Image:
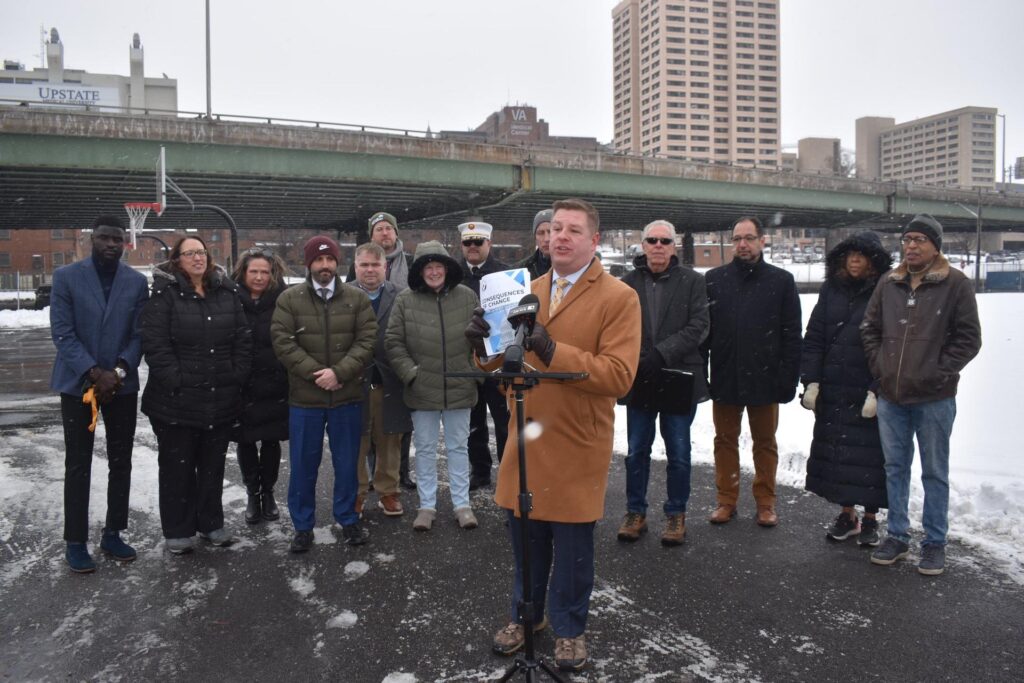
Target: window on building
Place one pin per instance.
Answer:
(5, 259)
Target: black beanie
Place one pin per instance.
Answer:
(927, 226)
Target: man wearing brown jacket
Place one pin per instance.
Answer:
(919, 331)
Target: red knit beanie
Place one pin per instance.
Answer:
(321, 244)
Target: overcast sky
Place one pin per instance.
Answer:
(450, 63)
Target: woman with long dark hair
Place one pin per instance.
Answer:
(264, 420)
(198, 347)
(846, 465)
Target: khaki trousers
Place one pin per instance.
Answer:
(388, 448)
(763, 421)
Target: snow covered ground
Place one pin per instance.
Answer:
(986, 464)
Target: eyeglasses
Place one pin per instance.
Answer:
(475, 242)
(918, 239)
(194, 253)
(659, 240)
(745, 238)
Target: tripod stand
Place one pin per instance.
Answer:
(520, 382)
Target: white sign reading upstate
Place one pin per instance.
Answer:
(61, 93)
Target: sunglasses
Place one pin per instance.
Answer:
(659, 240)
(257, 251)
(475, 242)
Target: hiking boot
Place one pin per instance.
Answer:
(112, 545)
(268, 506)
(466, 518)
(302, 542)
(766, 516)
(933, 559)
(891, 550)
(218, 537)
(722, 514)
(178, 546)
(253, 513)
(634, 525)
(79, 559)
(390, 504)
(509, 639)
(424, 519)
(843, 527)
(868, 533)
(571, 653)
(354, 534)
(675, 530)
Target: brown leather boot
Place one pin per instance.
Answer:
(766, 515)
(633, 526)
(675, 530)
(722, 514)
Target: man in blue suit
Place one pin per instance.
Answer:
(94, 311)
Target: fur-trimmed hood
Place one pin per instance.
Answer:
(433, 251)
(867, 243)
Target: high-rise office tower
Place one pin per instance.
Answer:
(698, 80)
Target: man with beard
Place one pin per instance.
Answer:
(755, 365)
(324, 335)
(94, 314)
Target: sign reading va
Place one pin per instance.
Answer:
(61, 93)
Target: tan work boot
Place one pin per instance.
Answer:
(766, 515)
(675, 530)
(722, 514)
(571, 653)
(390, 504)
(633, 526)
(509, 639)
(424, 519)
(465, 518)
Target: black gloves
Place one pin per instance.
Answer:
(106, 382)
(476, 330)
(541, 343)
(650, 365)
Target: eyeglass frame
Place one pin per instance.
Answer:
(736, 239)
(192, 253)
(473, 242)
(907, 240)
(665, 241)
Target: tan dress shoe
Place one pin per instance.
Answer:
(722, 514)
(766, 515)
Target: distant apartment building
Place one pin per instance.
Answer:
(698, 80)
(56, 85)
(518, 125)
(952, 149)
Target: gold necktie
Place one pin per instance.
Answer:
(556, 299)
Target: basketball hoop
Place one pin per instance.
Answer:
(137, 212)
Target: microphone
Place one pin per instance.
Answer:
(521, 318)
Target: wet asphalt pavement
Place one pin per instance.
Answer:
(736, 602)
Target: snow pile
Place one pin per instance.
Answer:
(24, 318)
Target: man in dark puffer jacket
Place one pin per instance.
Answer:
(323, 334)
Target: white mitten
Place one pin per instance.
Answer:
(810, 396)
(870, 408)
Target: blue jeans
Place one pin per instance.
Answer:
(932, 422)
(565, 552)
(306, 446)
(675, 431)
(425, 427)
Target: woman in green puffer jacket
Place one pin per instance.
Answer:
(426, 339)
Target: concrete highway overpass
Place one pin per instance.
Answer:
(62, 168)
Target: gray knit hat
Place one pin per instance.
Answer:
(927, 226)
(544, 216)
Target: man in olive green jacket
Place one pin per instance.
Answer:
(323, 334)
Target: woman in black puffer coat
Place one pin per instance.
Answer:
(198, 347)
(846, 464)
(264, 421)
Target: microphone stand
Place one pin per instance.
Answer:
(520, 382)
